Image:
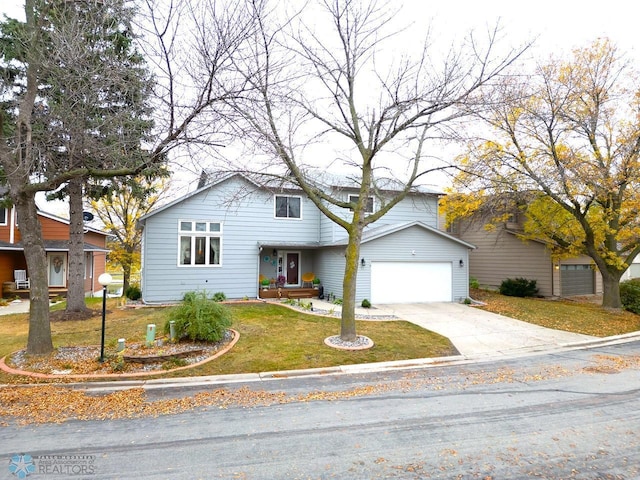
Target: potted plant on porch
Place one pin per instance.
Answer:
(265, 283)
(316, 282)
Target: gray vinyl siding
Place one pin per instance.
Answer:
(415, 244)
(500, 255)
(396, 247)
(421, 208)
(330, 264)
(247, 220)
(250, 232)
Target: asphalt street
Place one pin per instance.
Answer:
(573, 413)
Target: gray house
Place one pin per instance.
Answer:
(226, 236)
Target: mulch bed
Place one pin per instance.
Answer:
(136, 358)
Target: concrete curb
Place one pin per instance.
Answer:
(418, 363)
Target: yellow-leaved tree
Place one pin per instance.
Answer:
(566, 140)
(119, 212)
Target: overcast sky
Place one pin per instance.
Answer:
(558, 25)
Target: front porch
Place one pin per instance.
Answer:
(289, 292)
(9, 290)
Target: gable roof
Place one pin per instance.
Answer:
(384, 230)
(384, 184)
(189, 195)
(324, 179)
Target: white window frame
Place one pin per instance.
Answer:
(199, 231)
(5, 222)
(353, 198)
(275, 207)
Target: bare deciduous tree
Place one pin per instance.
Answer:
(338, 85)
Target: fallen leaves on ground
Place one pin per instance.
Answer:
(613, 363)
(56, 404)
(579, 314)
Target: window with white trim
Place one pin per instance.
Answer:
(200, 242)
(288, 206)
(368, 207)
(3, 216)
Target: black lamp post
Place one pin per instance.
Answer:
(104, 280)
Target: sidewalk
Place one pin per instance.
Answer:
(15, 306)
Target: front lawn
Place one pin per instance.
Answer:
(578, 316)
(272, 337)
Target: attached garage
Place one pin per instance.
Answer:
(411, 282)
(577, 279)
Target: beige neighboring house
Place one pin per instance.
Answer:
(501, 254)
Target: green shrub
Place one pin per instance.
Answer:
(473, 283)
(519, 287)
(366, 303)
(219, 297)
(630, 295)
(133, 292)
(199, 318)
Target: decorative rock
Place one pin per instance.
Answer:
(361, 343)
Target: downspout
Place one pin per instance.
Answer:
(12, 237)
(257, 277)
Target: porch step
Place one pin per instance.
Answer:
(299, 294)
(289, 293)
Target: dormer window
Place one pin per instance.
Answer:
(368, 207)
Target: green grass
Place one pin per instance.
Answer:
(272, 337)
(572, 316)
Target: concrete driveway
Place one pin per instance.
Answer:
(475, 332)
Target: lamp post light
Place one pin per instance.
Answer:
(104, 280)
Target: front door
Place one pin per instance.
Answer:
(57, 269)
(293, 268)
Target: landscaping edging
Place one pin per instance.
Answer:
(85, 376)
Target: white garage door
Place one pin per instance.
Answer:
(394, 282)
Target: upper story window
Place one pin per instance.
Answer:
(200, 242)
(369, 206)
(288, 206)
(453, 227)
(4, 215)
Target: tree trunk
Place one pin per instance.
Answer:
(75, 291)
(611, 288)
(352, 259)
(126, 273)
(39, 339)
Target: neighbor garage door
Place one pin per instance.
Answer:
(394, 282)
(577, 280)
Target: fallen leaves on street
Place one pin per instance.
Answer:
(56, 404)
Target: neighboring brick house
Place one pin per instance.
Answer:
(55, 231)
